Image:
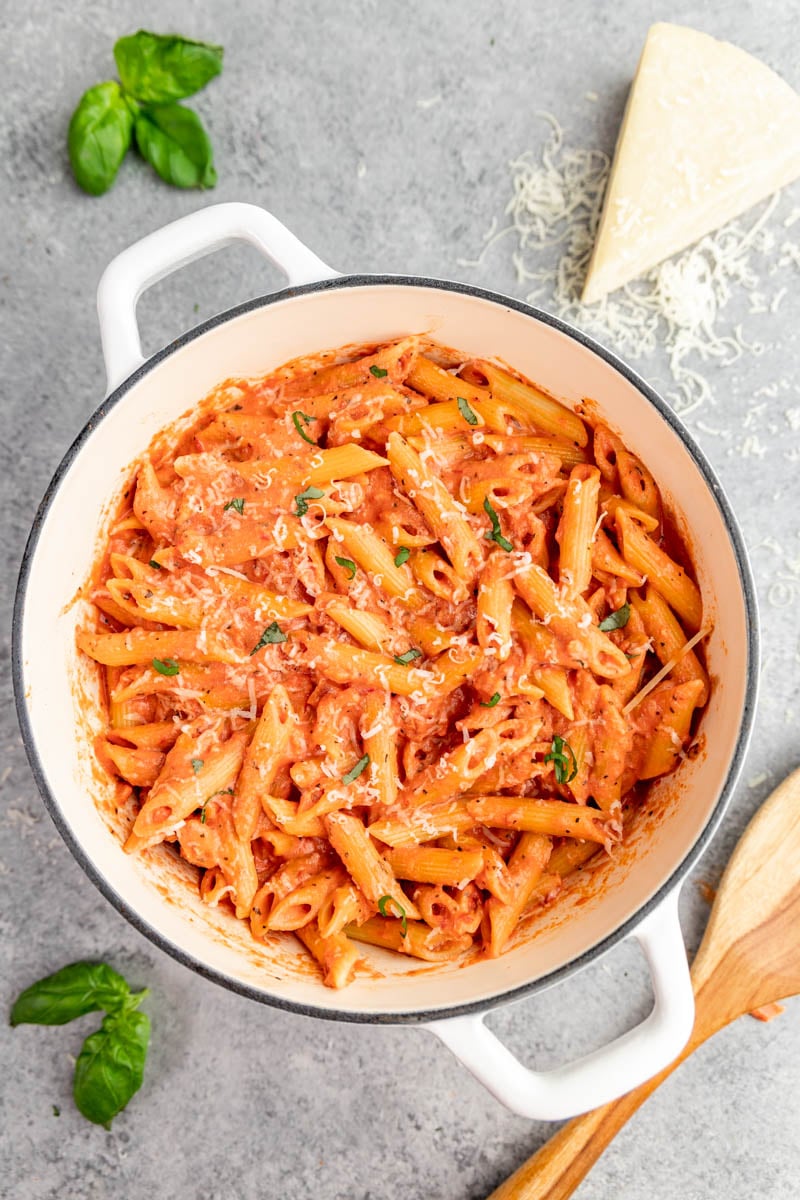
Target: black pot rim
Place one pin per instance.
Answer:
(623, 931)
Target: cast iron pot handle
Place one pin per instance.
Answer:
(608, 1072)
(160, 253)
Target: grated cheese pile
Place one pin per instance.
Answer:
(554, 212)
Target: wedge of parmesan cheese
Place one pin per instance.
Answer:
(708, 131)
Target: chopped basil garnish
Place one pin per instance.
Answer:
(203, 814)
(238, 504)
(403, 555)
(166, 666)
(354, 773)
(382, 903)
(378, 372)
(156, 566)
(409, 656)
(565, 771)
(469, 416)
(495, 535)
(348, 565)
(311, 493)
(273, 635)
(616, 620)
(491, 703)
(297, 417)
(197, 765)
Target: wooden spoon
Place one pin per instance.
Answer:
(749, 957)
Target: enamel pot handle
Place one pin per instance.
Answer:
(608, 1072)
(160, 253)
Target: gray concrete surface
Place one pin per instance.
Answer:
(318, 117)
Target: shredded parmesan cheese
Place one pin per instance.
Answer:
(553, 215)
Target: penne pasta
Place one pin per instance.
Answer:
(677, 588)
(543, 411)
(576, 529)
(265, 754)
(432, 864)
(525, 869)
(552, 817)
(389, 644)
(668, 639)
(427, 492)
(360, 857)
(372, 554)
(417, 939)
(335, 954)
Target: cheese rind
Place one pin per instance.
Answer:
(708, 131)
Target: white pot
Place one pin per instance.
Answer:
(635, 895)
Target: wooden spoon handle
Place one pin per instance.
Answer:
(556, 1169)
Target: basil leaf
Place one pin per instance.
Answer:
(347, 565)
(469, 416)
(490, 703)
(273, 635)
(172, 139)
(495, 535)
(403, 555)
(297, 416)
(157, 68)
(197, 765)
(110, 1067)
(99, 137)
(355, 771)
(382, 905)
(166, 666)
(616, 620)
(404, 659)
(302, 498)
(378, 372)
(564, 769)
(80, 988)
(238, 504)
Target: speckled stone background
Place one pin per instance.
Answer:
(380, 132)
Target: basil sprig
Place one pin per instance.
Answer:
(155, 70)
(110, 1066)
